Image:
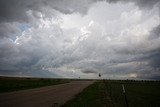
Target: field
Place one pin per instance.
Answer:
(49, 96)
(8, 84)
(109, 93)
(102, 93)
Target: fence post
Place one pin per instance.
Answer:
(124, 92)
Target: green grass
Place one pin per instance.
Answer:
(92, 96)
(139, 94)
(8, 84)
(109, 93)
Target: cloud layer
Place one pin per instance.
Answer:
(68, 38)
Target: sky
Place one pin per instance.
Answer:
(80, 38)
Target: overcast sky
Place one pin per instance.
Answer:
(80, 38)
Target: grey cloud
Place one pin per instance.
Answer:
(155, 33)
(12, 10)
(154, 59)
(29, 73)
(15, 10)
(140, 3)
(146, 74)
(9, 30)
(40, 49)
(153, 56)
(154, 77)
(147, 3)
(89, 71)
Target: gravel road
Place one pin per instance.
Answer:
(49, 96)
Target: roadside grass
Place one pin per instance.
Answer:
(139, 93)
(109, 93)
(92, 96)
(8, 84)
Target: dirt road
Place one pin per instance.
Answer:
(43, 97)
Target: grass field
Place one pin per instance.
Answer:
(109, 93)
(8, 84)
(103, 93)
(92, 96)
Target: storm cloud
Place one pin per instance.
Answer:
(68, 38)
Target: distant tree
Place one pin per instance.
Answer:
(99, 75)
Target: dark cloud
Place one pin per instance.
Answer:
(155, 33)
(140, 3)
(15, 10)
(34, 45)
(29, 73)
(89, 71)
(154, 59)
(145, 74)
(147, 3)
(153, 56)
(154, 77)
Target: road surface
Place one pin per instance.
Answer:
(49, 96)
